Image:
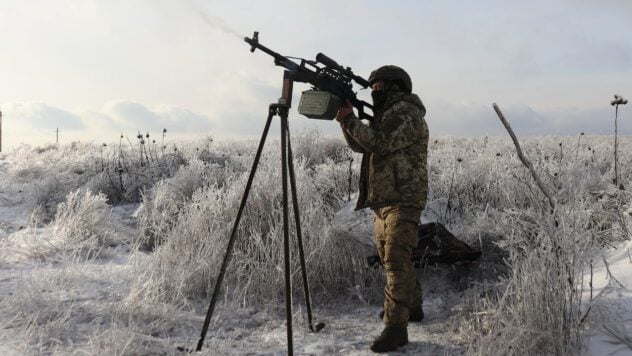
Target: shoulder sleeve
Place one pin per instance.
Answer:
(402, 126)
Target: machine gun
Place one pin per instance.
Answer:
(331, 83)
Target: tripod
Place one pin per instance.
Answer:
(280, 109)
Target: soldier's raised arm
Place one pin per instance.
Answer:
(403, 126)
(345, 110)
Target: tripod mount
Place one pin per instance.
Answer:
(280, 109)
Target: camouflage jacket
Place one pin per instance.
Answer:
(395, 151)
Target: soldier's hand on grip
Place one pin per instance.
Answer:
(345, 110)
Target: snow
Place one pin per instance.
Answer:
(350, 326)
(88, 300)
(87, 289)
(615, 303)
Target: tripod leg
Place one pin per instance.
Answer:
(233, 234)
(299, 235)
(286, 237)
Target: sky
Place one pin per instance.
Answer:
(97, 68)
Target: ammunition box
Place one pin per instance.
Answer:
(318, 104)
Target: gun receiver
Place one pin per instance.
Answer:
(324, 75)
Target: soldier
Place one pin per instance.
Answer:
(394, 184)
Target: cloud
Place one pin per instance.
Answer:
(34, 123)
(129, 115)
(40, 116)
(617, 6)
(469, 119)
(593, 121)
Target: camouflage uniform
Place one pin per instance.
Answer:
(394, 183)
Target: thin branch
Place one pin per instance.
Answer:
(610, 275)
(524, 159)
(622, 338)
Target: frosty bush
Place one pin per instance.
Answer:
(537, 307)
(158, 215)
(109, 183)
(163, 204)
(48, 192)
(46, 175)
(485, 194)
(42, 312)
(84, 224)
(309, 148)
(199, 233)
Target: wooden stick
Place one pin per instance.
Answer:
(524, 159)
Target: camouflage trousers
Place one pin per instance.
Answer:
(396, 231)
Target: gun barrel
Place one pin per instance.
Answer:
(255, 44)
(278, 58)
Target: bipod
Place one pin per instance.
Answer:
(281, 109)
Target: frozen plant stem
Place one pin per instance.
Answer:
(616, 146)
(102, 162)
(618, 100)
(448, 205)
(162, 147)
(559, 169)
(579, 140)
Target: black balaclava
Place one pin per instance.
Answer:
(379, 96)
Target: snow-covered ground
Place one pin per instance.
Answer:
(350, 327)
(60, 294)
(79, 295)
(612, 282)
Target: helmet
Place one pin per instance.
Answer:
(392, 73)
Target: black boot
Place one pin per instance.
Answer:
(390, 339)
(414, 314)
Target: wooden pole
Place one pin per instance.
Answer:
(0, 130)
(57, 136)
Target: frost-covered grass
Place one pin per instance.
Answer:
(537, 307)
(83, 223)
(525, 296)
(45, 175)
